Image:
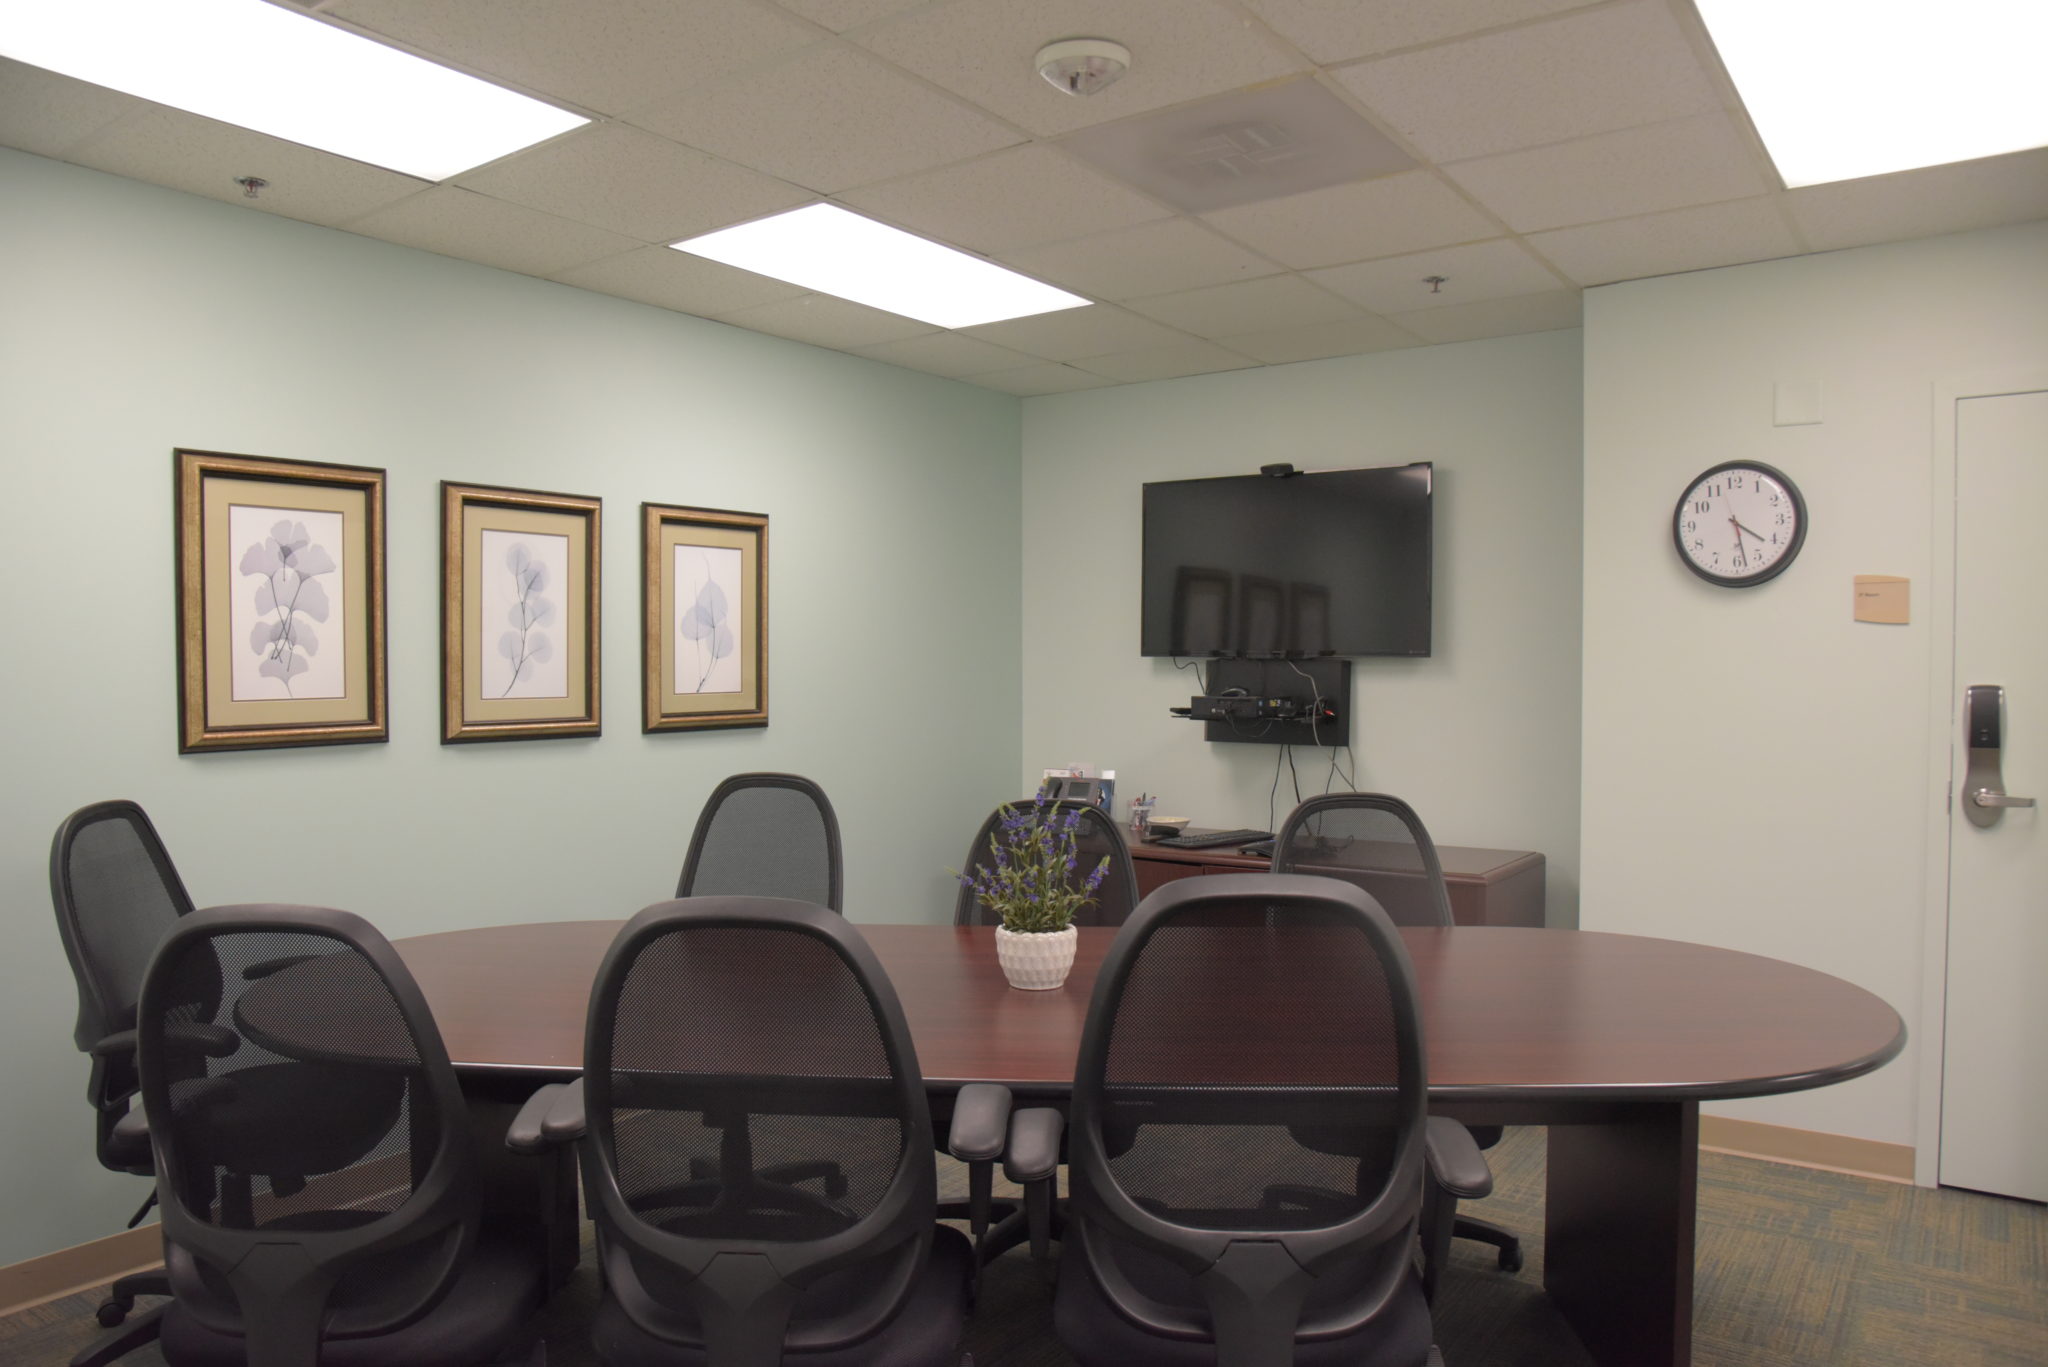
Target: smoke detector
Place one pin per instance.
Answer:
(1082, 66)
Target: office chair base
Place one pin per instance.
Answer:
(124, 1340)
(121, 1295)
(1487, 1232)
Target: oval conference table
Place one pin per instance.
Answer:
(1611, 1041)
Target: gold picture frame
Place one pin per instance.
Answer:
(520, 635)
(281, 625)
(704, 636)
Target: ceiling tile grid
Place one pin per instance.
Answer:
(1585, 73)
(625, 180)
(1518, 149)
(1020, 197)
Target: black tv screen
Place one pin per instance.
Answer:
(1335, 563)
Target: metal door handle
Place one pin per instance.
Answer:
(1984, 732)
(1986, 797)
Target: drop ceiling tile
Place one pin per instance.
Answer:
(1278, 301)
(982, 50)
(841, 15)
(1615, 175)
(1019, 197)
(679, 281)
(1152, 258)
(1075, 334)
(1935, 199)
(167, 146)
(828, 118)
(460, 223)
(48, 114)
(822, 320)
(611, 56)
(1332, 31)
(1383, 217)
(1494, 317)
(949, 354)
(1568, 78)
(1166, 363)
(1040, 379)
(1479, 270)
(1667, 243)
(619, 178)
(1352, 337)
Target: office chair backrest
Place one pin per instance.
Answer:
(313, 1152)
(116, 894)
(757, 1129)
(1248, 1108)
(1095, 837)
(766, 835)
(1375, 841)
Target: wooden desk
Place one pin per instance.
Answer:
(1487, 887)
(1610, 1040)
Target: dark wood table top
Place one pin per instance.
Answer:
(1511, 1014)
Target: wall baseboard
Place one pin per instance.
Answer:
(68, 1270)
(1807, 1148)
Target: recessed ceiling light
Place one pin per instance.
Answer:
(826, 248)
(1839, 89)
(257, 66)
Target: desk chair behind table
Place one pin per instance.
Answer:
(766, 835)
(1380, 844)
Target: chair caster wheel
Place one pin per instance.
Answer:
(1511, 1259)
(112, 1313)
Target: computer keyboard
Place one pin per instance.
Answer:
(1210, 839)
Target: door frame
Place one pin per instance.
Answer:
(1940, 616)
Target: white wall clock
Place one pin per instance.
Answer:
(1740, 524)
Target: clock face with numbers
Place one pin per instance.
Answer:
(1739, 524)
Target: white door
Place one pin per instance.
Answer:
(1994, 1099)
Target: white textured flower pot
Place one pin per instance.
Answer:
(1036, 959)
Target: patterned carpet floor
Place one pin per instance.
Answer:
(1796, 1268)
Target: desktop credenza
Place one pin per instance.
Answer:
(1487, 887)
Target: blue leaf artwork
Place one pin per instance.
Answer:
(279, 620)
(707, 631)
(519, 576)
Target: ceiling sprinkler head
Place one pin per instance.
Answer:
(251, 185)
(1082, 66)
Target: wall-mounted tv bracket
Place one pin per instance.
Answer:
(1274, 702)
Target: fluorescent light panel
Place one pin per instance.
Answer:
(1839, 89)
(257, 66)
(826, 248)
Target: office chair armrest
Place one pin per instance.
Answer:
(132, 1129)
(981, 1123)
(551, 1116)
(1034, 1151)
(1455, 1162)
(120, 1044)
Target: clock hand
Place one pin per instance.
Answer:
(1740, 528)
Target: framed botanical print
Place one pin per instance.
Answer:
(704, 640)
(519, 614)
(280, 603)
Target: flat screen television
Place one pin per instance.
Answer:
(1324, 564)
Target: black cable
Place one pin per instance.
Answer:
(1274, 796)
(1315, 706)
(1294, 772)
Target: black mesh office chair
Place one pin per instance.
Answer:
(728, 1038)
(1380, 844)
(765, 835)
(116, 894)
(1236, 1016)
(1096, 837)
(306, 1221)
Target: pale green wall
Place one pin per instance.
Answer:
(1483, 736)
(137, 319)
(1757, 764)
